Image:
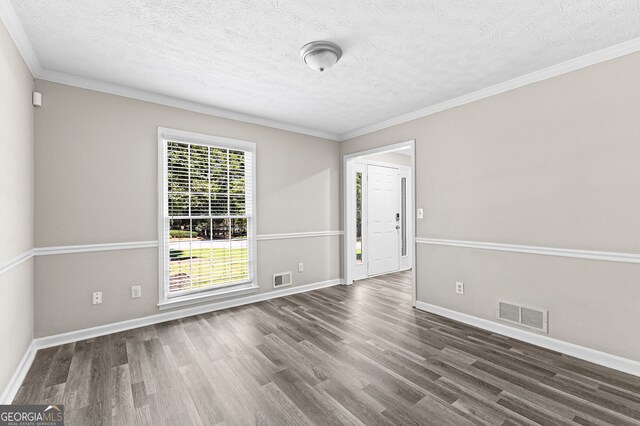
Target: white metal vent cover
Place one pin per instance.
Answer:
(525, 316)
(282, 279)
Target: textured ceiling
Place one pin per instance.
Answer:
(243, 55)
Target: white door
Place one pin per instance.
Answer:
(383, 201)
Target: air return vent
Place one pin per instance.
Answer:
(525, 316)
(281, 279)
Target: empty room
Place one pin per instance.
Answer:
(319, 212)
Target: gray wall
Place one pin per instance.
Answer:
(551, 164)
(16, 206)
(96, 182)
(554, 164)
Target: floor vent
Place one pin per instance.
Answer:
(281, 279)
(525, 316)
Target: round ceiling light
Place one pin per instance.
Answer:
(321, 55)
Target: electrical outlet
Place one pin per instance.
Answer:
(420, 213)
(97, 297)
(300, 267)
(136, 291)
(459, 287)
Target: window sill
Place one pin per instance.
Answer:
(209, 296)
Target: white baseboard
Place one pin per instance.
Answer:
(14, 384)
(597, 357)
(101, 330)
(16, 380)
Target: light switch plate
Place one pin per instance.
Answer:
(420, 213)
(136, 291)
(97, 297)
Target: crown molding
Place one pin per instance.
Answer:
(14, 27)
(17, 33)
(584, 61)
(143, 95)
(11, 21)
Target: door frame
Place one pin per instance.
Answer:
(348, 210)
(361, 165)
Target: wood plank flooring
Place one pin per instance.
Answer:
(342, 355)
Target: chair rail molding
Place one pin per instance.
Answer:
(86, 248)
(15, 261)
(546, 251)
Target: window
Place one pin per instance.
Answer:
(359, 260)
(207, 235)
(403, 210)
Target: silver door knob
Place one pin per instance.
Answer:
(397, 226)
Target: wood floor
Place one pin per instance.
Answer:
(342, 355)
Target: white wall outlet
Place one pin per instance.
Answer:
(459, 287)
(97, 297)
(300, 267)
(420, 213)
(136, 291)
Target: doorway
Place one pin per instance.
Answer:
(379, 212)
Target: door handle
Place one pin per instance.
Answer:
(397, 226)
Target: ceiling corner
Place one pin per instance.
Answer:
(17, 33)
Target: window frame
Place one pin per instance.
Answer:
(224, 291)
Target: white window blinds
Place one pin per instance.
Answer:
(208, 221)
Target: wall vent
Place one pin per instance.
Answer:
(525, 316)
(281, 279)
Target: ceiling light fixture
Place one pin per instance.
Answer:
(321, 55)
